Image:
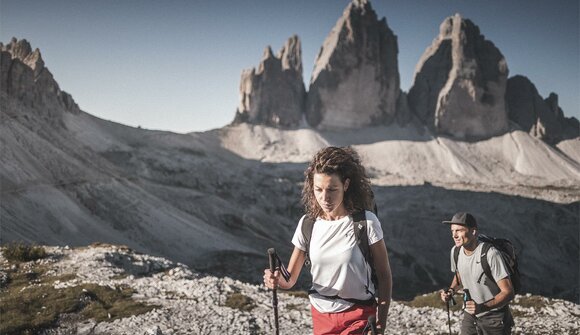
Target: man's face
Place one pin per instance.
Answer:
(462, 235)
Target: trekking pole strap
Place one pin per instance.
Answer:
(283, 271)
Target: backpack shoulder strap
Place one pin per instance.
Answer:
(307, 227)
(456, 255)
(484, 262)
(456, 258)
(359, 221)
(360, 231)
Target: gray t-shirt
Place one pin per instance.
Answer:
(471, 270)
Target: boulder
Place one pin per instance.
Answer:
(460, 83)
(355, 82)
(274, 94)
(542, 118)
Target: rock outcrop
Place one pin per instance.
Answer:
(542, 118)
(24, 77)
(355, 82)
(460, 82)
(274, 94)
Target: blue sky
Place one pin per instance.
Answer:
(175, 65)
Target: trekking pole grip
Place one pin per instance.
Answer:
(272, 259)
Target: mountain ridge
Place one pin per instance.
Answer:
(460, 89)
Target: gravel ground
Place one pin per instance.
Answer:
(190, 303)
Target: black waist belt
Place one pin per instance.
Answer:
(369, 302)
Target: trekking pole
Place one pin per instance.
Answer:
(372, 321)
(453, 303)
(272, 257)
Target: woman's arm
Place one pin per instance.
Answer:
(385, 282)
(294, 267)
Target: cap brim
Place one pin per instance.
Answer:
(451, 222)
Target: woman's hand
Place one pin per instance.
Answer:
(271, 278)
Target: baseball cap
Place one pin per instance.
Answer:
(464, 219)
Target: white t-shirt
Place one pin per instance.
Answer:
(338, 266)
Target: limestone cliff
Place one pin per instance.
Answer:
(460, 82)
(274, 94)
(542, 118)
(24, 77)
(355, 82)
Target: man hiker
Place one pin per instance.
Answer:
(486, 311)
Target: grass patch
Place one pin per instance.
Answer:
(30, 303)
(20, 252)
(240, 301)
(297, 294)
(535, 302)
(433, 300)
(294, 307)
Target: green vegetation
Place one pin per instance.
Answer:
(433, 300)
(295, 307)
(240, 301)
(30, 303)
(298, 294)
(20, 252)
(536, 303)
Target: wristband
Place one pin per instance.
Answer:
(480, 308)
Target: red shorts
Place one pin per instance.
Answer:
(349, 322)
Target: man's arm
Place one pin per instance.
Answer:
(505, 295)
(453, 288)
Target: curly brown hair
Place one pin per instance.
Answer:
(344, 162)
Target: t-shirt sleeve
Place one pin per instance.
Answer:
(498, 268)
(374, 229)
(452, 259)
(298, 240)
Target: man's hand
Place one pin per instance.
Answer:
(446, 295)
(472, 308)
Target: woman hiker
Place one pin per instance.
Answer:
(336, 193)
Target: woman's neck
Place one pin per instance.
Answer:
(336, 214)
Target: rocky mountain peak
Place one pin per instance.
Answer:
(542, 118)
(274, 94)
(460, 82)
(355, 82)
(24, 76)
(21, 50)
(291, 55)
(18, 48)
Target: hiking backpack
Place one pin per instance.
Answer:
(360, 232)
(508, 254)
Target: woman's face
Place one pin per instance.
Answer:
(329, 192)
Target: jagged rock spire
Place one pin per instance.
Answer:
(542, 118)
(23, 75)
(460, 82)
(274, 94)
(355, 81)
